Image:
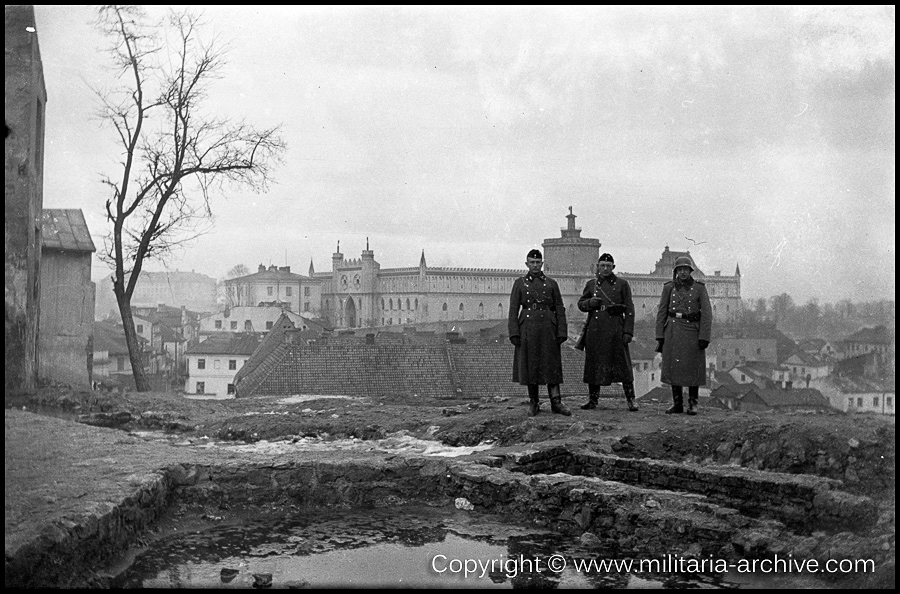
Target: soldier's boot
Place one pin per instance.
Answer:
(556, 404)
(678, 401)
(593, 397)
(535, 398)
(629, 397)
(693, 396)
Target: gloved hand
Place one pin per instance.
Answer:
(626, 338)
(595, 302)
(702, 344)
(515, 340)
(659, 344)
(561, 339)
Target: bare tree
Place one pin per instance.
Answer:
(174, 156)
(226, 295)
(237, 271)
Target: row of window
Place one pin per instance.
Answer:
(288, 291)
(737, 352)
(248, 325)
(888, 402)
(390, 304)
(232, 364)
(200, 388)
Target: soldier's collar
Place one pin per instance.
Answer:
(538, 275)
(610, 279)
(687, 283)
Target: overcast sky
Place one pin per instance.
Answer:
(758, 136)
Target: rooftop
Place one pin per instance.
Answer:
(227, 343)
(65, 229)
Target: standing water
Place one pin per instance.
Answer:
(398, 547)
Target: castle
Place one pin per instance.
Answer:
(359, 293)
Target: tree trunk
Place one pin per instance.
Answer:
(141, 383)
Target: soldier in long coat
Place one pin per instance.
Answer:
(537, 327)
(608, 330)
(683, 329)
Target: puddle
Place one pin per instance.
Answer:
(411, 547)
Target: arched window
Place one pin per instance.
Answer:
(407, 303)
(444, 308)
(382, 306)
(391, 303)
(417, 303)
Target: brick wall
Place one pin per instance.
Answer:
(446, 370)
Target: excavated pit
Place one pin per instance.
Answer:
(588, 505)
(95, 506)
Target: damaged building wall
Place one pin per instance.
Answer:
(25, 102)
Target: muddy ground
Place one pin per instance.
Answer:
(856, 449)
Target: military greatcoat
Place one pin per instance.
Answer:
(683, 319)
(538, 317)
(606, 356)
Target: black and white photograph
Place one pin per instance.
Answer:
(447, 296)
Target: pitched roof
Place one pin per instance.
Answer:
(227, 343)
(860, 384)
(65, 229)
(808, 359)
(876, 335)
(762, 368)
(660, 393)
(812, 344)
(267, 354)
(111, 338)
(167, 334)
(641, 351)
(732, 390)
(267, 275)
(799, 397)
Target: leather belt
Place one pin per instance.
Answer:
(544, 306)
(690, 317)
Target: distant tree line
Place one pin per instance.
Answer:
(813, 319)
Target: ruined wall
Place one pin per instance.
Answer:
(25, 99)
(434, 371)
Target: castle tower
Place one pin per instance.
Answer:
(336, 258)
(571, 253)
(368, 285)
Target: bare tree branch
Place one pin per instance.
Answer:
(174, 156)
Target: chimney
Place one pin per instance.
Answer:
(262, 268)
